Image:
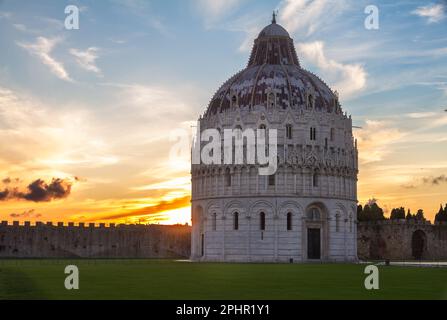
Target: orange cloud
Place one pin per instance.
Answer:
(150, 210)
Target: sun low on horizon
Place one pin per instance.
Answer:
(96, 123)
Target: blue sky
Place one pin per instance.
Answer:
(100, 102)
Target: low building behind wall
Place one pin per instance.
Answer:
(402, 240)
(90, 241)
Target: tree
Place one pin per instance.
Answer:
(370, 212)
(409, 215)
(363, 213)
(420, 215)
(398, 213)
(359, 210)
(441, 216)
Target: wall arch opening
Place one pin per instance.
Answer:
(418, 244)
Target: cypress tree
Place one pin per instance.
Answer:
(441, 215)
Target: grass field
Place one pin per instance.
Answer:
(168, 279)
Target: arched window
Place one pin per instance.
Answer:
(332, 134)
(337, 222)
(228, 177)
(350, 223)
(236, 221)
(289, 220)
(272, 180)
(315, 179)
(214, 221)
(271, 99)
(202, 245)
(262, 220)
(313, 134)
(313, 214)
(289, 131)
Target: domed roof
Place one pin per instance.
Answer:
(274, 30)
(273, 78)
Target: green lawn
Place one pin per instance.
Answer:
(167, 279)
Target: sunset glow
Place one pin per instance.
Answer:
(90, 119)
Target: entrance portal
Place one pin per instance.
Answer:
(313, 243)
(418, 242)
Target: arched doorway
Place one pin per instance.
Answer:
(315, 233)
(314, 243)
(418, 244)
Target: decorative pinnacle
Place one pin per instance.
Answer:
(274, 17)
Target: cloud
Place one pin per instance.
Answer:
(408, 186)
(421, 115)
(346, 78)
(433, 12)
(70, 140)
(375, 139)
(87, 59)
(42, 48)
(249, 24)
(157, 102)
(435, 180)
(5, 15)
(4, 194)
(142, 9)
(7, 180)
(215, 9)
(176, 183)
(308, 15)
(20, 27)
(53, 24)
(40, 191)
(26, 214)
(150, 210)
(47, 137)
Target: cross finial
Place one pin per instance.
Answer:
(274, 17)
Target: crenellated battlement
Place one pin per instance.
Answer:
(90, 240)
(71, 224)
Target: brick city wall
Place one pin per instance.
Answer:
(399, 239)
(93, 241)
(390, 239)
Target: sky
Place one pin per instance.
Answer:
(90, 117)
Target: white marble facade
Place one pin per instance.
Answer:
(306, 211)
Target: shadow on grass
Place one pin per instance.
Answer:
(16, 285)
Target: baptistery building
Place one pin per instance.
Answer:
(306, 210)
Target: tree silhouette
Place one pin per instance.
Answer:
(398, 213)
(370, 212)
(441, 216)
(420, 215)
